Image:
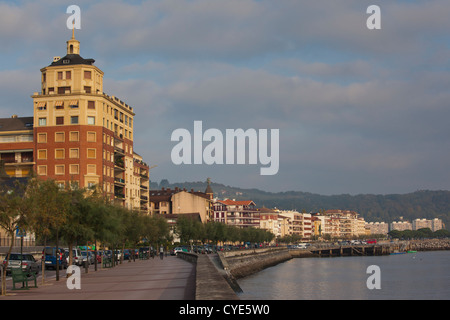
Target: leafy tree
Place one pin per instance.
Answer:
(14, 213)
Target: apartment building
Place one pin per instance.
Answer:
(434, 224)
(171, 203)
(242, 214)
(16, 145)
(377, 227)
(270, 220)
(77, 134)
(298, 223)
(401, 225)
(340, 224)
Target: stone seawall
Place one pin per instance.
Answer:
(211, 280)
(242, 263)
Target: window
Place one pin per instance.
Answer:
(74, 136)
(91, 105)
(59, 137)
(60, 75)
(42, 170)
(91, 120)
(59, 105)
(59, 154)
(87, 75)
(74, 169)
(59, 169)
(91, 169)
(74, 153)
(42, 121)
(73, 104)
(68, 75)
(42, 138)
(87, 89)
(42, 154)
(59, 121)
(74, 120)
(91, 137)
(91, 153)
(63, 90)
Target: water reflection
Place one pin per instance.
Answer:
(424, 275)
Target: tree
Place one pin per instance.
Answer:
(14, 213)
(50, 207)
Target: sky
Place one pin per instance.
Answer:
(358, 110)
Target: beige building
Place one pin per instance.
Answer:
(298, 223)
(434, 224)
(400, 225)
(241, 214)
(339, 224)
(169, 202)
(85, 136)
(377, 227)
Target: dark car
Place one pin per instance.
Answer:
(25, 260)
(51, 254)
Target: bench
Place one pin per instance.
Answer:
(107, 263)
(18, 276)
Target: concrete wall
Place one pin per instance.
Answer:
(242, 263)
(210, 282)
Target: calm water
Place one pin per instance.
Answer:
(422, 275)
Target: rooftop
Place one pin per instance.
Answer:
(16, 123)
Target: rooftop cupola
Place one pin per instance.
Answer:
(73, 45)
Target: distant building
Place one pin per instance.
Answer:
(434, 224)
(241, 214)
(340, 224)
(299, 223)
(377, 227)
(175, 202)
(400, 225)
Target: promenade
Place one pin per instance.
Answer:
(153, 279)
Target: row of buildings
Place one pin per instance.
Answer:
(383, 227)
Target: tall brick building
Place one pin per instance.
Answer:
(80, 134)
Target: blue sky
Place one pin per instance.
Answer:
(359, 111)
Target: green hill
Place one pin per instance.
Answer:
(420, 204)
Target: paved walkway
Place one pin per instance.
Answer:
(153, 279)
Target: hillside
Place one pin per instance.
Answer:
(420, 204)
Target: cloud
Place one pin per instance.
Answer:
(358, 110)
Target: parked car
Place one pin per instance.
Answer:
(50, 255)
(100, 254)
(108, 253)
(88, 256)
(25, 260)
(175, 250)
(76, 254)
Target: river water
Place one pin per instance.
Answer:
(421, 275)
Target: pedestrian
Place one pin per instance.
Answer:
(161, 252)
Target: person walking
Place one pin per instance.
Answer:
(161, 252)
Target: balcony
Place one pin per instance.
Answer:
(119, 181)
(118, 163)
